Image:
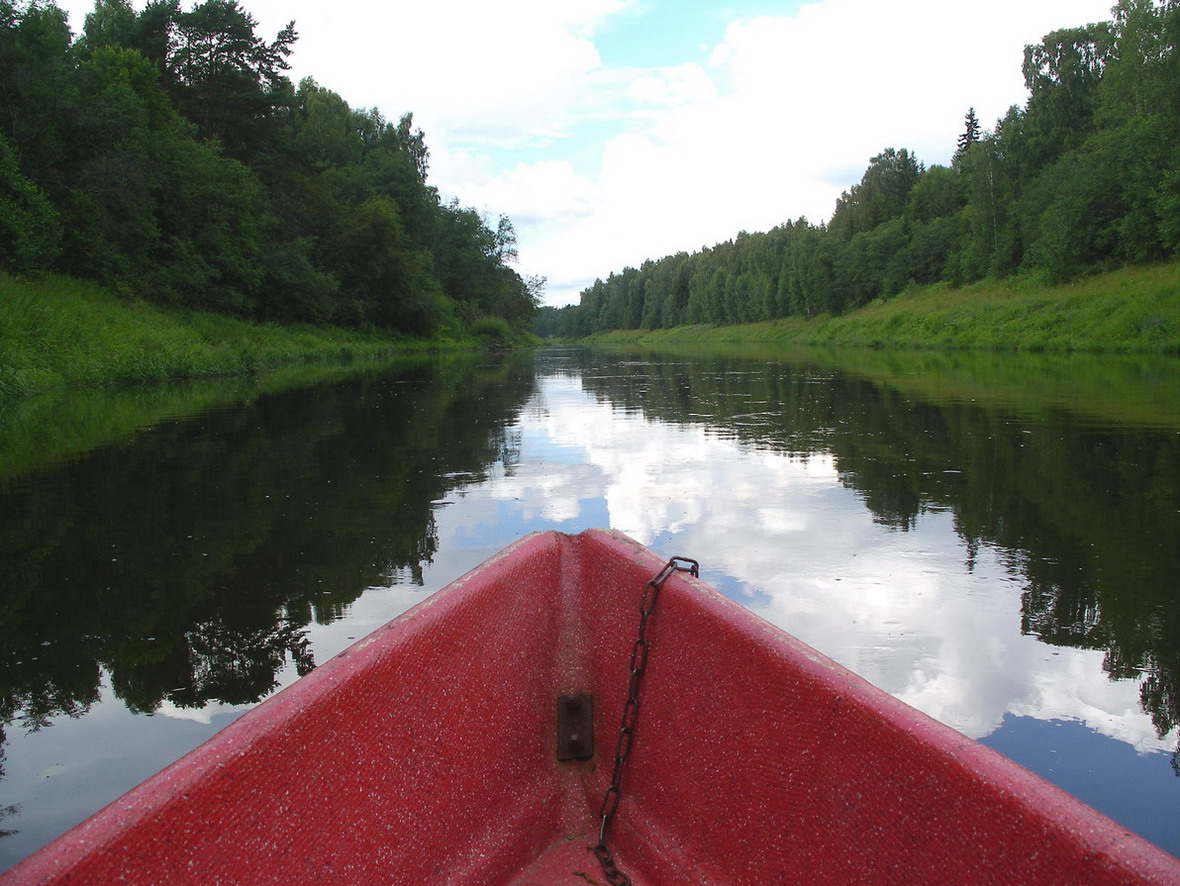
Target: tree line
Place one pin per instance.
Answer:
(1085, 177)
(166, 154)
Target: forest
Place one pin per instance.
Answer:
(165, 154)
(1085, 177)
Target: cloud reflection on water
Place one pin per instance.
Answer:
(782, 534)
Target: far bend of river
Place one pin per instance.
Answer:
(993, 539)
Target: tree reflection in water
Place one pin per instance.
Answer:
(1084, 506)
(186, 561)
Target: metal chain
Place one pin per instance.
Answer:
(639, 654)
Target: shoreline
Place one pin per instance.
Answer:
(1130, 311)
(60, 332)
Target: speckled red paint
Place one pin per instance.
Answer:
(425, 753)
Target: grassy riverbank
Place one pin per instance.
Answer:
(1133, 310)
(59, 332)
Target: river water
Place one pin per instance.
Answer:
(993, 539)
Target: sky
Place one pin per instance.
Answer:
(614, 131)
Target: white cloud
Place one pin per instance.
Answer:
(786, 116)
(668, 87)
(203, 715)
(485, 73)
(530, 194)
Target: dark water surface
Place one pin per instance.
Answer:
(993, 539)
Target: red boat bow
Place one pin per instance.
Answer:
(428, 753)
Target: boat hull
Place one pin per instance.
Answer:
(427, 752)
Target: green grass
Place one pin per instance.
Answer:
(1134, 310)
(60, 332)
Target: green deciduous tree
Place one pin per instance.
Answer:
(112, 23)
(385, 280)
(881, 195)
(30, 236)
(1062, 74)
(152, 207)
(37, 98)
(172, 158)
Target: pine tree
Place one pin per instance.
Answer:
(970, 134)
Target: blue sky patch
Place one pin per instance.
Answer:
(660, 33)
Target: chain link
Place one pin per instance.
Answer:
(627, 723)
